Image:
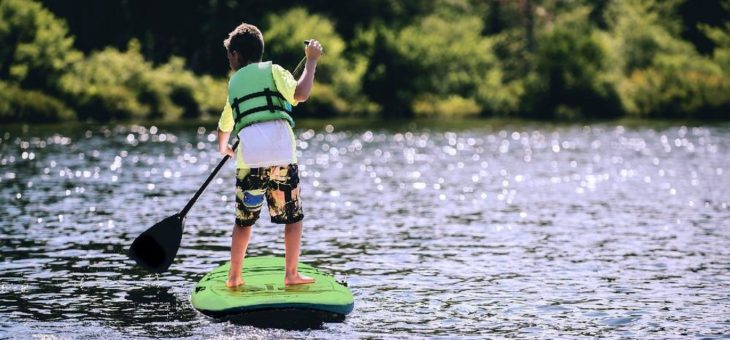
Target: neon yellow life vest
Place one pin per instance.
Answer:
(254, 98)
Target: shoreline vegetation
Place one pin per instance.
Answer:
(355, 125)
(533, 60)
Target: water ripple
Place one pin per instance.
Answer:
(523, 231)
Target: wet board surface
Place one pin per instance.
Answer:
(265, 295)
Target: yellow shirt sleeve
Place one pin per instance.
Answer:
(225, 123)
(285, 83)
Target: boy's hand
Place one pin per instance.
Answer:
(227, 151)
(304, 85)
(313, 50)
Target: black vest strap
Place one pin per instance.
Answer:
(270, 106)
(240, 115)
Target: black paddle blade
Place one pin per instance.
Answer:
(155, 249)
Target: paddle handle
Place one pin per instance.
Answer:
(205, 185)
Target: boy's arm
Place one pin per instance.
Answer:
(304, 86)
(225, 126)
(223, 147)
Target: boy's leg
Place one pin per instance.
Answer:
(285, 208)
(239, 243)
(249, 200)
(292, 244)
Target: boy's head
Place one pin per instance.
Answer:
(245, 45)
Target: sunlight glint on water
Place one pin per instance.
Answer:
(514, 231)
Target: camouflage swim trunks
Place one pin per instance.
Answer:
(279, 185)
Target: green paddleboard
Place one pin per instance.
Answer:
(264, 292)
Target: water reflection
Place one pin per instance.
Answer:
(505, 231)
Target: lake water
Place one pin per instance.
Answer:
(506, 230)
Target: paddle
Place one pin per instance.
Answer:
(155, 249)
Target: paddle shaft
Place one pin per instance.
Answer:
(205, 185)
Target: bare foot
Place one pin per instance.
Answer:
(234, 282)
(297, 279)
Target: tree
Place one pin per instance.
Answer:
(663, 75)
(438, 65)
(113, 85)
(35, 46)
(337, 89)
(569, 77)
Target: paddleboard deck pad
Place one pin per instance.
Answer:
(264, 295)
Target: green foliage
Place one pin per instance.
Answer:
(189, 95)
(394, 93)
(678, 87)
(440, 63)
(641, 33)
(551, 59)
(35, 47)
(338, 86)
(452, 106)
(37, 53)
(112, 85)
(569, 79)
(18, 105)
(107, 85)
(721, 37)
(664, 76)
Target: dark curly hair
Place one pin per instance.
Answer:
(247, 40)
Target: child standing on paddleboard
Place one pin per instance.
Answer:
(260, 97)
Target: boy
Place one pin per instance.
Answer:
(260, 97)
